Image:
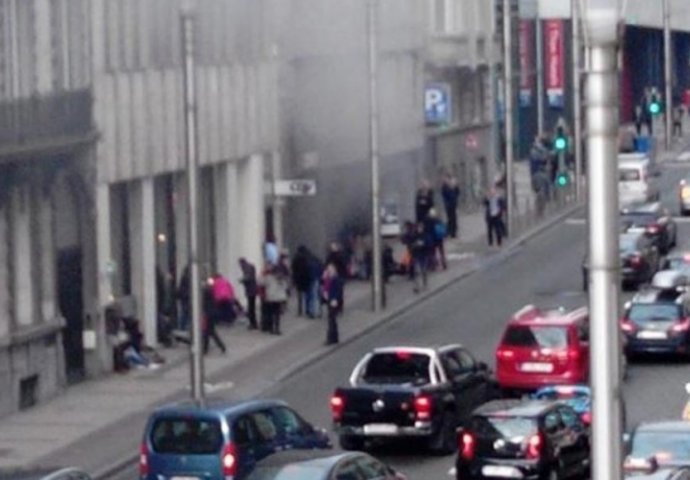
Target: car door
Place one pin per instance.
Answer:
(575, 440)
(267, 441)
(477, 384)
(554, 430)
(460, 382)
(247, 441)
(293, 432)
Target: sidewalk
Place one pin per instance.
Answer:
(54, 433)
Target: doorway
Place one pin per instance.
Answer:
(70, 283)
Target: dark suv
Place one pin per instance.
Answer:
(523, 439)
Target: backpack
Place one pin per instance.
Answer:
(440, 230)
(222, 290)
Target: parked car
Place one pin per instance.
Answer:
(679, 262)
(657, 320)
(523, 439)
(540, 348)
(221, 439)
(410, 392)
(68, 473)
(655, 221)
(668, 442)
(637, 180)
(302, 465)
(684, 197)
(649, 469)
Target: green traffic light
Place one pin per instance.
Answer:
(562, 180)
(561, 143)
(655, 108)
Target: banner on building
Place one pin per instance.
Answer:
(526, 62)
(554, 63)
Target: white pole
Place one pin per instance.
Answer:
(539, 34)
(577, 97)
(668, 75)
(508, 99)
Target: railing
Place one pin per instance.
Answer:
(45, 118)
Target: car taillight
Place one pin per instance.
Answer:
(505, 354)
(587, 418)
(422, 407)
(683, 326)
(229, 460)
(653, 229)
(467, 446)
(627, 326)
(534, 446)
(636, 259)
(337, 407)
(143, 459)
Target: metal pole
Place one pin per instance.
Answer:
(668, 74)
(508, 99)
(577, 97)
(376, 276)
(539, 34)
(197, 360)
(604, 281)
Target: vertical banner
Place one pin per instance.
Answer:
(526, 62)
(554, 66)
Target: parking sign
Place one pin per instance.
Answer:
(437, 104)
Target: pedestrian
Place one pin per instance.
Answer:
(275, 286)
(407, 238)
(250, 290)
(420, 257)
(184, 295)
(271, 252)
(337, 257)
(211, 316)
(639, 119)
(494, 206)
(451, 195)
(334, 297)
(435, 231)
(315, 271)
(424, 201)
(301, 277)
(224, 298)
(678, 121)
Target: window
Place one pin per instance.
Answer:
(654, 312)
(372, 468)
(552, 422)
(189, 436)
(244, 431)
(536, 336)
(628, 175)
(452, 364)
(264, 425)
(570, 418)
(466, 361)
(397, 367)
(507, 427)
(348, 471)
(287, 422)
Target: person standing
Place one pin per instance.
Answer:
(420, 257)
(184, 296)
(250, 290)
(315, 271)
(678, 121)
(494, 209)
(301, 278)
(435, 231)
(275, 286)
(451, 195)
(211, 315)
(334, 295)
(224, 298)
(424, 201)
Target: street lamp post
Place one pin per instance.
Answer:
(376, 274)
(577, 97)
(668, 75)
(197, 366)
(508, 100)
(604, 269)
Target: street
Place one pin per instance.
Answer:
(546, 272)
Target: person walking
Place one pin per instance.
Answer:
(301, 278)
(451, 195)
(420, 257)
(334, 298)
(315, 272)
(250, 290)
(224, 298)
(494, 209)
(424, 201)
(275, 285)
(435, 232)
(184, 296)
(211, 315)
(678, 121)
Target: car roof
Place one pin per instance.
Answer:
(416, 349)
(664, 426)
(658, 295)
(217, 406)
(531, 315)
(324, 458)
(666, 279)
(632, 162)
(515, 408)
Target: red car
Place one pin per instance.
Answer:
(541, 348)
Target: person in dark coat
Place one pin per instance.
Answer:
(335, 303)
(494, 207)
(184, 296)
(424, 201)
(211, 314)
(315, 272)
(250, 290)
(301, 278)
(337, 257)
(451, 195)
(421, 246)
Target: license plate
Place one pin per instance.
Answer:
(652, 335)
(380, 429)
(501, 471)
(537, 367)
(184, 478)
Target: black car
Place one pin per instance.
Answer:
(301, 465)
(523, 439)
(639, 259)
(657, 321)
(667, 442)
(655, 221)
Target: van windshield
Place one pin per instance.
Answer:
(189, 436)
(629, 175)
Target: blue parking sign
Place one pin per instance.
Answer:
(437, 104)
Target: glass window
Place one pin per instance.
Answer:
(506, 427)
(348, 471)
(466, 361)
(452, 364)
(189, 436)
(372, 468)
(244, 431)
(629, 174)
(570, 418)
(552, 422)
(536, 336)
(397, 367)
(287, 422)
(654, 312)
(666, 446)
(265, 427)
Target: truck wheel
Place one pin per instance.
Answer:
(443, 441)
(350, 442)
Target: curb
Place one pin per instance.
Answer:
(512, 248)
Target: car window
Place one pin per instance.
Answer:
(506, 427)
(552, 422)
(244, 432)
(536, 336)
(397, 367)
(466, 361)
(675, 446)
(287, 421)
(188, 436)
(654, 312)
(452, 364)
(348, 471)
(628, 243)
(265, 427)
(628, 174)
(372, 469)
(583, 332)
(569, 417)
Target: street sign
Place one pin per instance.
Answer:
(437, 104)
(294, 188)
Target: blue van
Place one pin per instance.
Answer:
(221, 440)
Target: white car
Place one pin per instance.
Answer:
(637, 181)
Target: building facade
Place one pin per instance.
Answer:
(92, 161)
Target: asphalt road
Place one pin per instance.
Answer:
(546, 272)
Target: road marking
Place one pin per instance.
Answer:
(451, 472)
(575, 221)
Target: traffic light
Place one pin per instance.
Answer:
(655, 106)
(562, 179)
(560, 143)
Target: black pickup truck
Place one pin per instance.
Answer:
(399, 392)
